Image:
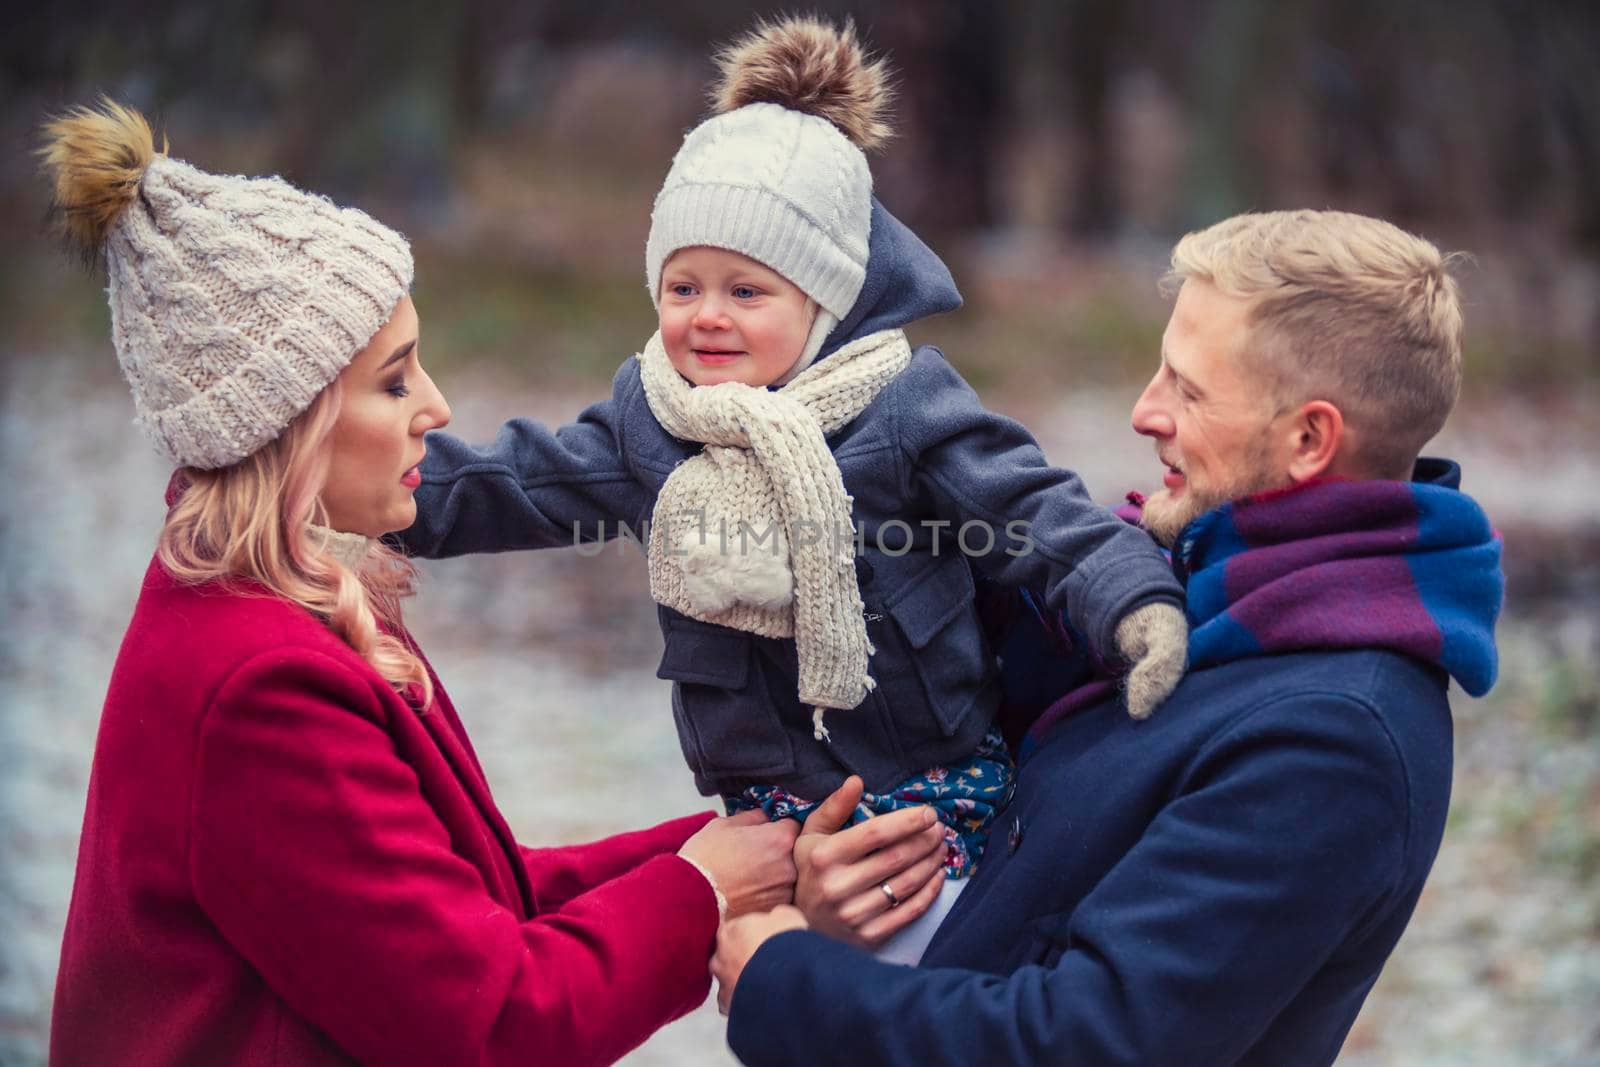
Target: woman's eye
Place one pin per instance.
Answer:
(398, 389)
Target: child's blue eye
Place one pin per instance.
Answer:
(682, 289)
(743, 292)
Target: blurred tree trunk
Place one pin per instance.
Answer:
(1066, 59)
(950, 65)
(375, 109)
(1568, 36)
(1091, 49)
(1559, 44)
(1220, 77)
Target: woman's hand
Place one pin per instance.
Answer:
(842, 872)
(750, 860)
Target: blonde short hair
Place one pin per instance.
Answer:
(1348, 309)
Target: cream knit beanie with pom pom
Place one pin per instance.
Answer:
(779, 174)
(234, 301)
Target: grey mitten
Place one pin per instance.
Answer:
(1155, 640)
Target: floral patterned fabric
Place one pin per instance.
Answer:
(966, 798)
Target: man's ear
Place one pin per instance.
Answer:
(1319, 437)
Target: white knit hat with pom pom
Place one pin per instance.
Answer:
(234, 301)
(779, 174)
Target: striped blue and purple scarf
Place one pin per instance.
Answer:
(1409, 566)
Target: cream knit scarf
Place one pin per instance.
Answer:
(754, 533)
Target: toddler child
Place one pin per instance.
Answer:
(816, 492)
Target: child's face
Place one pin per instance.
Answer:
(726, 318)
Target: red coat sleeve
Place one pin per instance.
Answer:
(559, 874)
(317, 855)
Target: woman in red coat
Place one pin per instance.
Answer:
(290, 854)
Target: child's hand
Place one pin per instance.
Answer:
(1155, 640)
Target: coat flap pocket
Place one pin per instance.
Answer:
(706, 657)
(935, 597)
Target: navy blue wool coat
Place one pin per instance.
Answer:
(1219, 884)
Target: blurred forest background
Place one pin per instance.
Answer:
(1051, 152)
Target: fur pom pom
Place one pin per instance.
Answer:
(808, 65)
(95, 158)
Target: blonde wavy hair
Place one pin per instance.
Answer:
(1348, 309)
(251, 522)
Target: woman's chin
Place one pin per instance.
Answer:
(399, 522)
(396, 523)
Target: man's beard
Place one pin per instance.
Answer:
(1165, 517)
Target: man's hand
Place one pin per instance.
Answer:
(1155, 639)
(841, 873)
(737, 941)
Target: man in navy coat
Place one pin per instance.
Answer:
(1222, 883)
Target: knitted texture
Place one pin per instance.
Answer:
(235, 301)
(766, 488)
(1154, 639)
(1405, 566)
(1347, 564)
(349, 550)
(783, 187)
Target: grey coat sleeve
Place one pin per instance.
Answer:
(973, 465)
(533, 487)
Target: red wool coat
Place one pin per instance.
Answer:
(283, 863)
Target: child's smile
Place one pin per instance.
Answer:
(716, 357)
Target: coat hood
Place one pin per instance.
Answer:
(906, 281)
